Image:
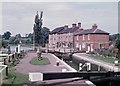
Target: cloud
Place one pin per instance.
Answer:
(19, 17)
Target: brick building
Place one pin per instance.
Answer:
(91, 39)
(79, 38)
(63, 37)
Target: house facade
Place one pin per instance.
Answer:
(79, 38)
(91, 39)
(63, 37)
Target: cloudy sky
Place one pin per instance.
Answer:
(18, 17)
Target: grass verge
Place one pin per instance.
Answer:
(109, 60)
(15, 78)
(43, 61)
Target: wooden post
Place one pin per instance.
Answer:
(6, 71)
(4, 61)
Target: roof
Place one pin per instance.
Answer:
(61, 30)
(56, 30)
(92, 31)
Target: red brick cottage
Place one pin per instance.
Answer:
(91, 39)
(63, 37)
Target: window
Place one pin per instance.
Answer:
(77, 37)
(88, 36)
(101, 45)
(83, 37)
(77, 45)
(83, 45)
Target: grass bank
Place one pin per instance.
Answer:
(15, 78)
(105, 59)
(43, 61)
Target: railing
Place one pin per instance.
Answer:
(2, 68)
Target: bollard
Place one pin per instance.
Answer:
(57, 63)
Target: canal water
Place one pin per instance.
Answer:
(25, 48)
(13, 47)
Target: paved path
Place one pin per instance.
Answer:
(107, 66)
(25, 67)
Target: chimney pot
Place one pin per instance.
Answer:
(73, 25)
(66, 27)
(79, 24)
(94, 26)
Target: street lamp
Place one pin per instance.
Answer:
(33, 40)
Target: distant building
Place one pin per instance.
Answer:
(79, 38)
(91, 39)
(63, 37)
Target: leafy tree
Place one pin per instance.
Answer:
(4, 43)
(45, 34)
(11, 40)
(18, 36)
(114, 37)
(30, 35)
(16, 41)
(6, 35)
(118, 47)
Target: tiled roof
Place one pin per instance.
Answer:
(61, 30)
(91, 31)
(74, 29)
(56, 30)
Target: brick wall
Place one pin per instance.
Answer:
(93, 40)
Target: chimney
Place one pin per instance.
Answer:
(73, 25)
(66, 27)
(79, 24)
(81, 29)
(94, 26)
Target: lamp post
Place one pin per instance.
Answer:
(33, 40)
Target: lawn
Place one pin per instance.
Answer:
(106, 59)
(15, 78)
(43, 61)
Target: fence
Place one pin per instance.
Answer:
(2, 68)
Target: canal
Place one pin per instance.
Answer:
(97, 80)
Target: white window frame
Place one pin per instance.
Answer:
(88, 36)
(77, 37)
(83, 37)
(83, 45)
(77, 45)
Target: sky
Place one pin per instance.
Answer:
(18, 17)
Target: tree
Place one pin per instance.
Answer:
(4, 43)
(118, 47)
(18, 36)
(37, 29)
(45, 34)
(11, 40)
(6, 35)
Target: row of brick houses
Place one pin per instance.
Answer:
(79, 38)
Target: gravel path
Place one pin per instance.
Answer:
(25, 67)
